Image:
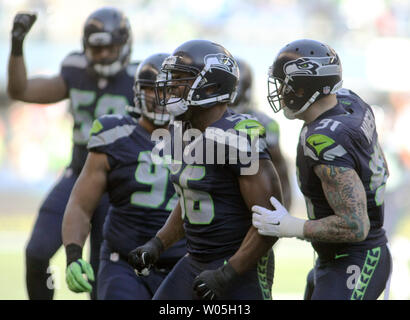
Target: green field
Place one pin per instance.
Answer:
(293, 261)
(14, 233)
(294, 258)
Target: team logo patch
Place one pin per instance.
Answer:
(221, 61)
(97, 127)
(319, 142)
(251, 127)
(314, 66)
(301, 66)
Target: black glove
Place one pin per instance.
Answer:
(21, 26)
(211, 284)
(145, 256)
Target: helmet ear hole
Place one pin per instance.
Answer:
(300, 92)
(212, 88)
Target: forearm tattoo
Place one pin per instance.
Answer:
(345, 194)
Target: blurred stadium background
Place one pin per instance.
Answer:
(372, 38)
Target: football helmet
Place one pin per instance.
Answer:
(302, 72)
(106, 27)
(144, 103)
(211, 75)
(243, 98)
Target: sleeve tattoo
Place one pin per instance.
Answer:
(345, 194)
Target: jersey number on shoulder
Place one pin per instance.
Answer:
(196, 205)
(241, 117)
(328, 122)
(84, 115)
(155, 176)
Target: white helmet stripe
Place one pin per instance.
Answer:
(205, 101)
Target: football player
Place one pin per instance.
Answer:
(243, 104)
(227, 258)
(342, 174)
(141, 197)
(97, 81)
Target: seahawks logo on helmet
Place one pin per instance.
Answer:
(221, 61)
(301, 66)
(323, 66)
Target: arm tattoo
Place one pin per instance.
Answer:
(345, 194)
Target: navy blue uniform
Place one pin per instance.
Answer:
(271, 126)
(141, 198)
(346, 136)
(216, 218)
(89, 98)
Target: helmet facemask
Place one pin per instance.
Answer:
(111, 67)
(146, 104)
(276, 88)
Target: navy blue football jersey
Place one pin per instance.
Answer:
(344, 136)
(216, 218)
(91, 97)
(140, 193)
(271, 126)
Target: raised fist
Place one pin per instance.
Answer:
(23, 22)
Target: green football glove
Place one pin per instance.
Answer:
(74, 276)
(76, 268)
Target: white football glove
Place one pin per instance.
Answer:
(277, 223)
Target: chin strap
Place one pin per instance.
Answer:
(291, 114)
(177, 106)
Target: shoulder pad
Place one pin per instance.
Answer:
(252, 127)
(343, 92)
(273, 126)
(319, 142)
(327, 145)
(347, 96)
(109, 121)
(269, 123)
(75, 60)
(261, 116)
(109, 128)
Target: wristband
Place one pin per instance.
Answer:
(158, 243)
(228, 272)
(73, 252)
(292, 227)
(16, 47)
